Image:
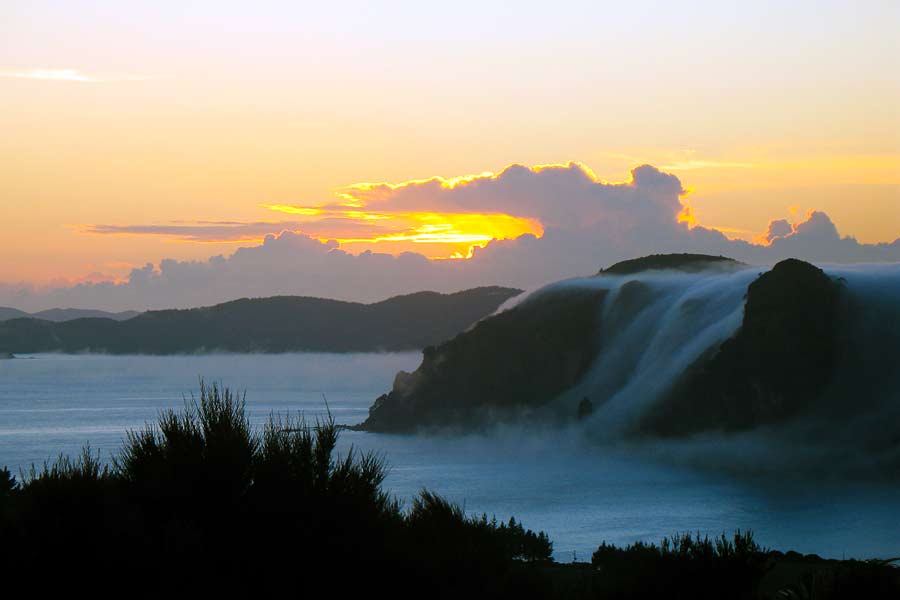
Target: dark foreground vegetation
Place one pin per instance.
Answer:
(201, 505)
(686, 566)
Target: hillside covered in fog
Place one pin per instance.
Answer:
(672, 351)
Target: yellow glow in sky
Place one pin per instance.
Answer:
(435, 235)
(142, 113)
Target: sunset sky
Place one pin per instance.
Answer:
(134, 132)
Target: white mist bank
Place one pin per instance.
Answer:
(650, 332)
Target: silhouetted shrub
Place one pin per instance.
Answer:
(202, 504)
(851, 579)
(682, 566)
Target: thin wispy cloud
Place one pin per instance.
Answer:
(69, 75)
(455, 233)
(689, 165)
(678, 160)
(198, 231)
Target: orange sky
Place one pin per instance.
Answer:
(155, 114)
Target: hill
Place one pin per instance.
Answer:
(520, 359)
(626, 335)
(688, 263)
(277, 324)
(59, 315)
(7, 313)
(516, 359)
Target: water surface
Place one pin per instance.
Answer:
(579, 493)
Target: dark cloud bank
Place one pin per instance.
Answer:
(588, 225)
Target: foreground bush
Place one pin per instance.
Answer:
(202, 504)
(682, 566)
(695, 567)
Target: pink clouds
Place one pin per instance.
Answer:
(588, 224)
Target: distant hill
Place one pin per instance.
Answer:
(688, 263)
(277, 324)
(7, 313)
(58, 315)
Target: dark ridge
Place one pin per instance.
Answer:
(689, 263)
(277, 324)
(776, 366)
(518, 359)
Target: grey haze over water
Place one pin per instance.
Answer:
(578, 491)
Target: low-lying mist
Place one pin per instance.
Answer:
(654, 325)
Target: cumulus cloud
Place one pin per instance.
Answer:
(777, 229)
(288, 263)
(558, 196)
(587, 224)
(817, 239)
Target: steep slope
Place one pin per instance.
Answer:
(777, 364)
(511, 361)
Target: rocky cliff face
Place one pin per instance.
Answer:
(778, 363)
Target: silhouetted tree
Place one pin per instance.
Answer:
(202, 504)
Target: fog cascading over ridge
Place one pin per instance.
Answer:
(865, 391)
(652, 327)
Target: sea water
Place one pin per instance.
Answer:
(579, 492)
